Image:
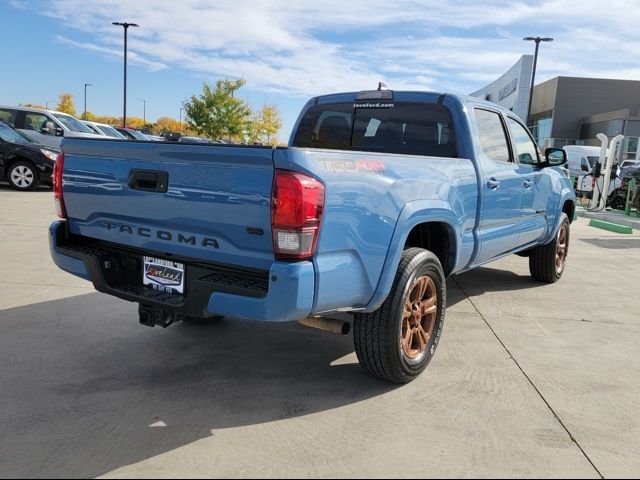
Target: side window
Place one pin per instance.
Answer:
(493, 138)
(525, 148)
(325, 126)
(8, 116)
(35, 121)
(584, 165)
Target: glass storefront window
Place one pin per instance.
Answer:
(630, 148)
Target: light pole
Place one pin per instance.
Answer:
(144, 110)
(126, 26)
(535, 63)
(85, 99)
(181, 109)
(46, 104)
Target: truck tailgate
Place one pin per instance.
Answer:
(214, 207)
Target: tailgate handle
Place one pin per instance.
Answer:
(149, 180)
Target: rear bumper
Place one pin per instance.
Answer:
(284, 293)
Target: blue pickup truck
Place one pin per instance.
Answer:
(379, 197)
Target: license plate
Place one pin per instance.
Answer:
(163, 275)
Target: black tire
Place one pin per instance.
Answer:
(543, 262)
(23, 175)
(378, 336)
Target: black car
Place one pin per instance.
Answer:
(24, 163)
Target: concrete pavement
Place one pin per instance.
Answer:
(529, 380)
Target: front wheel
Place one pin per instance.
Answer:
(547, 262)
(23, 175)
(397, 341)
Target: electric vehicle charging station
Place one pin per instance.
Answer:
(600, 178)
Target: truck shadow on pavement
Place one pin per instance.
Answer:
(86, 390)
(82, 383)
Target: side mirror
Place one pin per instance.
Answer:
(555, 157)
(59, 132)
(584, 168)
(48, 128)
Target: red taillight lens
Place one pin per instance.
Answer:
(296, 210)
(57, 186)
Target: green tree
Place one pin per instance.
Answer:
(217, 113)
(65, 104)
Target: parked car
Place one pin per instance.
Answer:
(184, 139)
(171, 136)
(379, 197)
(24, 163)
(627, 165)
(132, 134)
(104, 129)
(155, 138)
(46, 127)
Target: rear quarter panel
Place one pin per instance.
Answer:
(366, 194)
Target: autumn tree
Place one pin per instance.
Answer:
(271, 122)
(264, 125)
(32, 105)
(217, 113)
(65, 104)
(107, 119)
(168, 124)
(88, 116)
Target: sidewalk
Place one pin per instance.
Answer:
(612, 216)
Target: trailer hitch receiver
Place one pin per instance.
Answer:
(151, 316)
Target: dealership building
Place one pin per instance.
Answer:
(570, 110)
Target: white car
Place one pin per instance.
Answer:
(46, 127)
(104, 129)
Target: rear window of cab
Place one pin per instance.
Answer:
(390, 127)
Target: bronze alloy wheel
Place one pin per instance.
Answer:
(562, 247)
(419, 317)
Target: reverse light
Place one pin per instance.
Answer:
(57, 186)
(296, 211)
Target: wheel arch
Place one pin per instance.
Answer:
(420, 224)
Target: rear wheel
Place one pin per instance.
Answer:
(547, 262)
(397, 341)
(23, 175)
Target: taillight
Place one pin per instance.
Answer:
(57, 186)
(296, 210)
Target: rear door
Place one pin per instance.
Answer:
(203, 202)
(501, 188)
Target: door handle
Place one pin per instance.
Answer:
(493, 184)
(527, 184)
(148, 180)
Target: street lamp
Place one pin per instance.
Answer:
(144, 109)
(181, 109)
(46, 104)
(535, 63)
(85, 99)
(126, 26)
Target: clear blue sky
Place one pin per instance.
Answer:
(290, 51)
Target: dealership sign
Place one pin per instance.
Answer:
(512, 89)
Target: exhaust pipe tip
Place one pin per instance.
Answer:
(332, 325)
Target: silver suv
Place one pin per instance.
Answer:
(44, 126)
